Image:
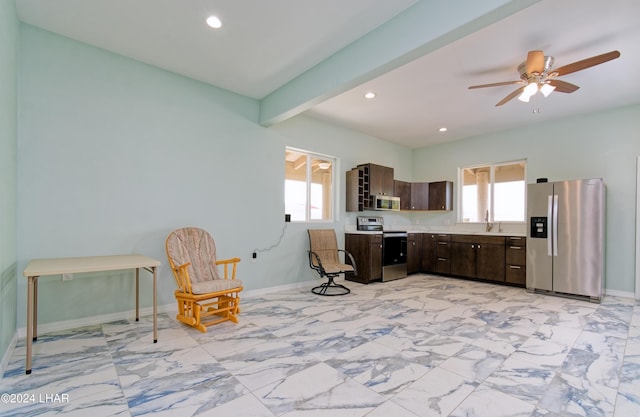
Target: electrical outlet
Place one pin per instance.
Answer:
(254, 257)
(67, 277)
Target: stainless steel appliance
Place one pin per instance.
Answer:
(565, 249)
(394, 255)
(394, 247)
(386, 202)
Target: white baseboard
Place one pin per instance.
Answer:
(146, 311)
(621, 294)
(93, 320)
(171, 308)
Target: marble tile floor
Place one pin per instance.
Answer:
(421, 346)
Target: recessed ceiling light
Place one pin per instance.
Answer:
(214, 22)
(370, 95)
(442, 129)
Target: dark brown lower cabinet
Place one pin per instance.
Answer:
(516, 260)
(436, 253)
(366, 250)
(486, 257)
(478, 256)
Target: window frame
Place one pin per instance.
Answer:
(492, 168)
(333, 204)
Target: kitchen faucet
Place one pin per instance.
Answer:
(486, 219)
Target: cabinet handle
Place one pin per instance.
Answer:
(442, 259)
(515, 247)
(515, 267)
(473, 246)
(515, 238)
(478, 246)
(442, 243)
(413, 243)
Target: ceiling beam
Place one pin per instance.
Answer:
(422, 28)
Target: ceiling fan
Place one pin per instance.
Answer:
(537, 74)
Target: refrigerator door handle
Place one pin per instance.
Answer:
(555, 225)
(549, 217)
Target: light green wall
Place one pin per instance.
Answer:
(603, 145)
(9, 40)
(114, 154)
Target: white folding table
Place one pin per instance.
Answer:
(58, 266)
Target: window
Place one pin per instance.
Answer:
(308, 185)
(494, 193)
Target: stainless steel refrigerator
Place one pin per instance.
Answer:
(566, 230)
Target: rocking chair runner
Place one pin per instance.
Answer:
(204, 298)
(324, 258)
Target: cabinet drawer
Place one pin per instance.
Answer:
(442, 237)
(517, 240)
(478, 239)
(443, 265)
(443, 249)
(516, 274)
(516, 255)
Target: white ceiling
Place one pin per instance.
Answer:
(265, 44)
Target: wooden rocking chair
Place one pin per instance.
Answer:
(204, 298)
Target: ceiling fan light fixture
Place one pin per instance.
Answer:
(531, 89)
(528, 91)
(324, 165)
(524, 97)
(547, 89)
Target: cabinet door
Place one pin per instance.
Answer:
(367, 254)
(490, 261)
(441, 195)
(429, 252)
(414, 244)
(380, 180)
(419, 196)
(402, 189)
(463, 259)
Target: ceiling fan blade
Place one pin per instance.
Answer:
(511, 96)
(586, 63)
(496, 84)
(535, 62)
(563, 86)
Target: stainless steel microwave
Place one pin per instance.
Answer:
(386, 202)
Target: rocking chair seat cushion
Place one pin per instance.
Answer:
(215, 285)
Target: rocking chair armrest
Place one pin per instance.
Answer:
(226, 263)
(182, 277)
(350, 257)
